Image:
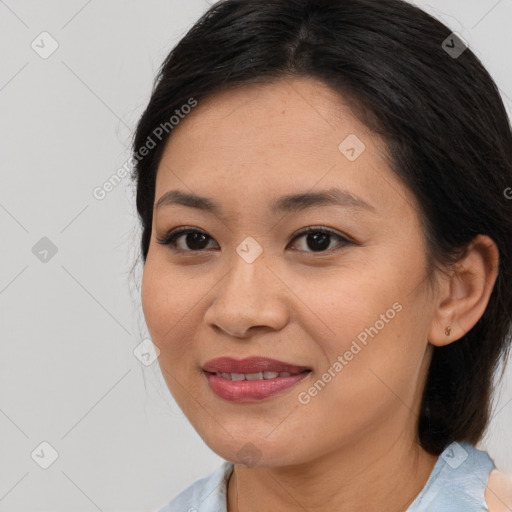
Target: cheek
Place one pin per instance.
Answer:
(372, 320)
(171, 305)
(161, 301)
(371, 371)
(343, 303)
(152, 300)
(163, 306)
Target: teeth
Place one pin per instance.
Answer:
(253, 376)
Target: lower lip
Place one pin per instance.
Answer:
(243, 391)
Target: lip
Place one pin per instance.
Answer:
(251, 365)
(246, 391)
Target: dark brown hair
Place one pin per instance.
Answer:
(446, 130)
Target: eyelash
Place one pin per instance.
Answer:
(170, 239)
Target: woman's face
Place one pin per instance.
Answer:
(355, 310)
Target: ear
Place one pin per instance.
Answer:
(464, 294)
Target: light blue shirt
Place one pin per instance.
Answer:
(457, 483)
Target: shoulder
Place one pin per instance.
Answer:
(207, 494)
(498, 494)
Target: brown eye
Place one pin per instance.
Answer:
(194, 240)
(319, 239)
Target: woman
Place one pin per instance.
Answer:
(327, 255)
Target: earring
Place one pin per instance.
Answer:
(447, 331)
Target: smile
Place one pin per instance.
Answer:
(252, 387)
(252, 376)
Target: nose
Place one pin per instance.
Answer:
(250, 297)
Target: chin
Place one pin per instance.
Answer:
(256, 452)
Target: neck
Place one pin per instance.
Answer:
(356, 478)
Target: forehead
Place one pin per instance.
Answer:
(264, 140)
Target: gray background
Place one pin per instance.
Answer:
(68, 375)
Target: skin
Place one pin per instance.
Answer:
(498, 494)
(243, 148)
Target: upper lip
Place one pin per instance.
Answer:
(250, 365)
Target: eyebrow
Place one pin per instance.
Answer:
(291, 203)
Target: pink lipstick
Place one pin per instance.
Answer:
(251, 379)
